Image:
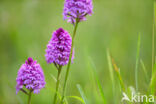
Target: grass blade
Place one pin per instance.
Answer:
(82, 94)
(111, 73)
(153, 80)
(53, 90)
(98, 81)
(53, 77)
(137, 62)
(119, 75)
(144, 69)
(77, 98)
(110, 67)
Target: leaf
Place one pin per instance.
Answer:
(110, 67)
(144, 70)
(153, 81)
(82, 94)
(137, 61)
(98, 81)
(117, 70)
(53, 90)
(111, 72)
(77, 97)
(53, 77)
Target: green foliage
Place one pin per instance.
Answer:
(98, 80)
(144, 70)
(110, 67)
(137, 61)
(82, 94)
(117, 70)
(77, 98)
(153, 81)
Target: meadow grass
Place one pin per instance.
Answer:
(137, 61)
(98, 81)
(82, 94)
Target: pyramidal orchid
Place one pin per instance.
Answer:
(58, 52)
(77, 9)
(30, 76)
(74, 12)
(58, 48)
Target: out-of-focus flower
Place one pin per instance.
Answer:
(77, 9)
(59, 47)
(31, 76)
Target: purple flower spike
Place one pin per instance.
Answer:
(31, 76)
(59, 47)
(77, 9)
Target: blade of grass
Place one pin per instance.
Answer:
(97, 80)
(82, 94)
(53, 77)
(144, 69)
(111, 73)
(19, 99)
(119, 75)
(77, 98)
(53, 90)
(110, 67)
(153, 80)
(65, 100)
(137, 62)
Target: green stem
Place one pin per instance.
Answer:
(119, 75)
(69, 63)
(57, 84)
(137, 62)
(29, 97)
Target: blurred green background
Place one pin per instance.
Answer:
(26, 27)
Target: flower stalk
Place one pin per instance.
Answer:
(29, 97)
(69, 63)
(57, 84)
